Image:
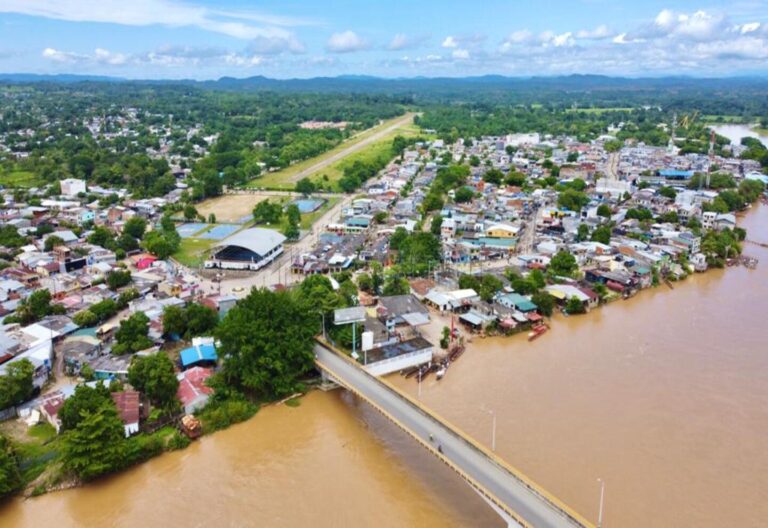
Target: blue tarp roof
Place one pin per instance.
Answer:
(196, 354)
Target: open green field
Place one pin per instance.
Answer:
(718, 119)
(381, 148)
(600, 110)
(192, 251)
(19, 178)
(286, 179)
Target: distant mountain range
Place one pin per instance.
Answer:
(364, 83)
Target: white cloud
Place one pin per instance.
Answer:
(107, 57)
(169, 56)
(402, 41)
(518, 37)
(750, 27)
(621, 38)
(275, 45)
(564, 39)
(600, 32)
(63, 57)
(346, 42)
(450, 42)
(460, 54)
(169, 13)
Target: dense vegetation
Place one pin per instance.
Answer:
(121, 135)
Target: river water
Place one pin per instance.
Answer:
(664, 397)
(735, 132)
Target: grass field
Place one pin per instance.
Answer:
(192, 251)
(600, 110)
(283, 179)
(718, 119)
(377, 149)
(19, 179)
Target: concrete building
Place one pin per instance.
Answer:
(72, 187)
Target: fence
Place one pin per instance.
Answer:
(7, 414)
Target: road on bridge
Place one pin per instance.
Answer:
(511, 492)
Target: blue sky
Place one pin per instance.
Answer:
(394, 38)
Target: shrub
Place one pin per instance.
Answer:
(220, 415)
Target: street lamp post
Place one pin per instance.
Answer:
(493, 429)
(322, 314)
(602, 497)
(419, 382)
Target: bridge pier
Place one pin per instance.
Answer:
(511, 523)
(327, 383)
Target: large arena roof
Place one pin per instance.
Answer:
(260, 241)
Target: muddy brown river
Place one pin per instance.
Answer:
(664, 397)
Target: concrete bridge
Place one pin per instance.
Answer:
(518, 500)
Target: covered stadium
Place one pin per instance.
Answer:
(250, 249)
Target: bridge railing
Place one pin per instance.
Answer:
(470, 442)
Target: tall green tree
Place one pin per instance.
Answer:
(97, 445)
(155, 376)
(135, 226)
(10, 475)
(85, 400)
(267, 340)
(563, 264)
(132, 335)
(16, 386)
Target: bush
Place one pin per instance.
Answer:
(221, 414)
(178, 441)
(143, 447)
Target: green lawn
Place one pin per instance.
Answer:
(36, 447)
(600, 110)
(19, 178)
(192, 251)
(281, 180)
(717, 119)
(378, 149)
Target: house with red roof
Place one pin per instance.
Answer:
(193, 393)
(128, 405)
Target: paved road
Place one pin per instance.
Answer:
(406, 119)
(527, 504)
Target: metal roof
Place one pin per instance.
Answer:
(259, 240)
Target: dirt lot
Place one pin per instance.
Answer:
(231, 208)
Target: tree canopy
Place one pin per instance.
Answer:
(155, 376)
(267, 341)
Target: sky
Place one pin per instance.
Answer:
(205, 39)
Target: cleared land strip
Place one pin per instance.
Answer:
(338, 153)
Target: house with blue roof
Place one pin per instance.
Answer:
(199, 356)
(517, 302)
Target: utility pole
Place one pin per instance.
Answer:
(602, 497)
(419, 382)
(493, 429)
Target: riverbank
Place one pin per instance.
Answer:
(663, 396)
(659, 395)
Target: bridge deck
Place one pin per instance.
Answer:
(510, 491)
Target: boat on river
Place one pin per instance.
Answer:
(537, 331)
